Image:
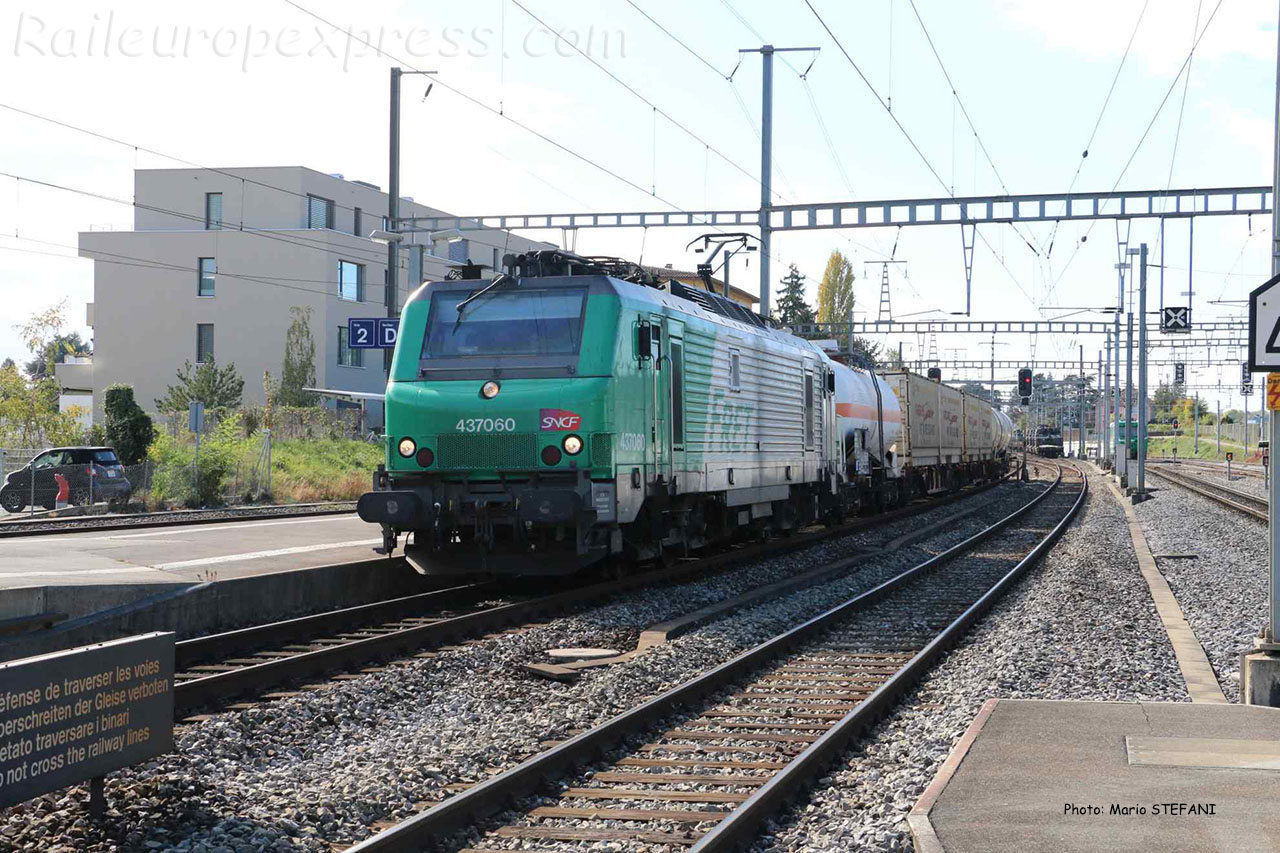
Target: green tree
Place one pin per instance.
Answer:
(214, 386)
(792, 307)
(128, 429)
(835, 293)
(299, 370)
(55, 352)
(865, 354)
(7, 364)
(1163, 400)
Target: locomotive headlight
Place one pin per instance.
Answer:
(408, 447)
(490, 389)
(572, 445)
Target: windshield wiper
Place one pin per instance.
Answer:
(502, 279)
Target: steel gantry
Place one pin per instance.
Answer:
(967, 210)
(1240, 327)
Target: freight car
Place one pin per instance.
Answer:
(950, 438)
(573, 409)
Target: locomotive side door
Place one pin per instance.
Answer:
(673, 378)
(659, 394)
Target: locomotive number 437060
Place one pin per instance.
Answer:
(486, 425)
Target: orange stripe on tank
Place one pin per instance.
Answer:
(854, 410)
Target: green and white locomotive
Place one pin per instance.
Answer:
(573, 409)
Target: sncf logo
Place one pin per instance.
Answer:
(559, 420)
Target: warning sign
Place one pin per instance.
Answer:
(1273, 392)
(69, 716)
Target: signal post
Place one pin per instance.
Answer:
(1260, 666)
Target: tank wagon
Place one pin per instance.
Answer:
(573, 409)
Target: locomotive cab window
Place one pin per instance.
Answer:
(505, 322)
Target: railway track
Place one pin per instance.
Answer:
(705, 764)
(1240, 469)
(1241, 501)
(135, 521)
(217, 670)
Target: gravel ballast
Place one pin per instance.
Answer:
(301, 772)
(1223, 590)
(1081, 626)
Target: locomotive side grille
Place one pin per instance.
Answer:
(602, 450)
(504, 452)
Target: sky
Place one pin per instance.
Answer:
(520, 122)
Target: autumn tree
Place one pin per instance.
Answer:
(835, 293)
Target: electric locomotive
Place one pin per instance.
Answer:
(573, 409)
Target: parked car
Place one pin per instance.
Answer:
(94, 474)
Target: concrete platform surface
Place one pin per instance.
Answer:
(184, 553)
(1088, 776)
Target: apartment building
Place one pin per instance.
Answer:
(217, 259)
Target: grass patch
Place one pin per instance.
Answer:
(1185, 446)
(302, 470)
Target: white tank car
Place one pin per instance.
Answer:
(859, 414)
(1004, 431)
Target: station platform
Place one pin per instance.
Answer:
(1089, 776)
(184, 553)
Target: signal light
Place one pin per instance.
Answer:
(550, 455)
(490, 389)
(1024, 384)
(425, 457)
(408, 447)
(572, 445)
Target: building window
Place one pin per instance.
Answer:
(212, 211)
(208, 270)
(319, 212)
(350, 281)
(204, 342)
(735, 370)
(357, 224)
(348, 357)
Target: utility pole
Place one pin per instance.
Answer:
(1273, 490)
(391, 292)
(766, 162)
(1097, 412)
(1105, 450)
(1080, 417)
(1141, 493)
(1219, 428)
(1195, 430)
(1128, 400)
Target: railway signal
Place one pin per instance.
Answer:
(1180, 374)
(1024, 385)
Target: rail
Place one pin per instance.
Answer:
(734, 828)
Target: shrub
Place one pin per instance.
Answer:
(129, 430)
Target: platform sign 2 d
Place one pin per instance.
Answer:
(70, 716)
(372, 332)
